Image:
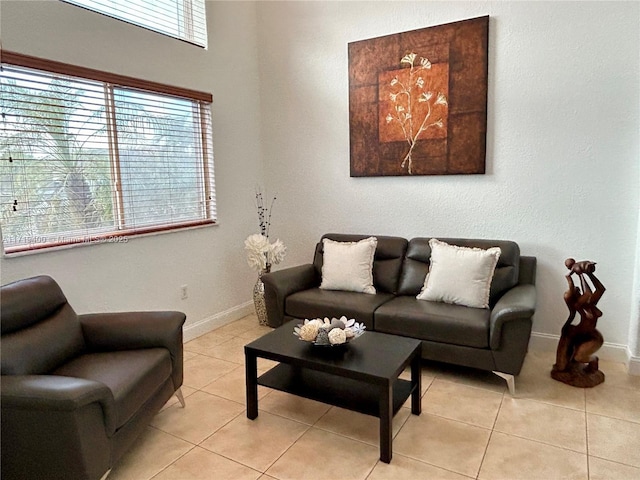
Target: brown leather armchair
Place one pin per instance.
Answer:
(77, 390)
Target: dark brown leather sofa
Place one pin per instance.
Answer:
(494, 339)
(77, 390)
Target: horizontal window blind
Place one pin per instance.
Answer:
(183, 19)
(90, 161)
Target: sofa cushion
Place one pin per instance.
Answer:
(434, 321)
(133, 376)
(417, 261)
(387, 260)
(318, 303)
(348, 266)
(459, 275)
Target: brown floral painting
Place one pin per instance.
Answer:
(418, 101)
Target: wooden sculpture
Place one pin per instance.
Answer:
(576, 363)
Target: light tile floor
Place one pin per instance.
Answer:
(470, 427)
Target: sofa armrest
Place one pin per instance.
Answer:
(519, 303)
(527, 270)
(134, 330)
(57, 393)
(282, 283)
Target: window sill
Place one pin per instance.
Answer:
(108, 239)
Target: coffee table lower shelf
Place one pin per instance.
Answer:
(324, 387)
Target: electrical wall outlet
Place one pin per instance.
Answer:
(184, 294)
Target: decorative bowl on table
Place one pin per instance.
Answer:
(335, 332)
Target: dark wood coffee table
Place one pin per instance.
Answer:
(363, 377)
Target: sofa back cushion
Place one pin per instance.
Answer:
(387, 261)
(416, 264)
(348, 266)
(40, 330)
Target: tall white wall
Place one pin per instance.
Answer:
(562, 142)
(146, 273)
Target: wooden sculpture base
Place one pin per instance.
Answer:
(578, 374)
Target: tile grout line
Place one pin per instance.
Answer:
(176, 460)
(539, 442)
(287, 449)
(586, 435)
(617, 462)
(460, 421)
(486, 448)
(634, 422)
(222, 455)
(419, 460)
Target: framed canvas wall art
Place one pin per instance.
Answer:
(418, 101)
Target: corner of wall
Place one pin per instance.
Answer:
(633, 365)
(218, 320)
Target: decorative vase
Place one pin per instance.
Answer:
(258, 297)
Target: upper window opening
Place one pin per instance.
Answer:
(182, 19)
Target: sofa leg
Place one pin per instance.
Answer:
(180, 397)
(106, 474)
(511, 381)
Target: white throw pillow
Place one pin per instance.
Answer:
(459, 275)
(348, 265)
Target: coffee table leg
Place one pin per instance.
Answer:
(416, 379)
(251, 374)
(386, 417)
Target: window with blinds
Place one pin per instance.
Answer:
(183, 19)
(86, 160)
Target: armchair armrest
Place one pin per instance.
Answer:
(134, 330)
(519, 303)
(282, 283)
(55, 427)
(57, 393)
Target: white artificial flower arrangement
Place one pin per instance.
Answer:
(261, 254)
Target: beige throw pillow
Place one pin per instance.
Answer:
(459, 275)
(348, 265)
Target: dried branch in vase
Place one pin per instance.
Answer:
(261, 254)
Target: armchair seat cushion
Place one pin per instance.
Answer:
(434, 321)
(316, 302)
(133, 376)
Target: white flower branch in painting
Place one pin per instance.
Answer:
(414, 103)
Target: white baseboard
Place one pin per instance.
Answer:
(633, 367)
(609, 351)
(218, 320)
